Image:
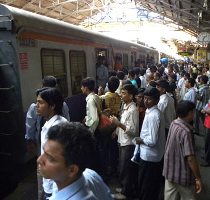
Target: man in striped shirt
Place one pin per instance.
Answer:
(180, 169)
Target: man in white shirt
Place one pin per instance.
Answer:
(152, 145)
(190, 95)
(49, 105)
(127, 129)
(143, 78)
(93, 104)
(166, 104)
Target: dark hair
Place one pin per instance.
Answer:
(53, 97)
(120, 75)
(152, 83)
(77, 143)
(142, 71)
(191, 81)
(194, 75)
(131, 73)
(187, 75)
(89, 83)
(141, 90)
(131, 89)
(112, 73)
(152, 92)
(126, 82)
(184, 107)
(113, 83)
(136, 70)
(204, 78)
(173, 76)
(49, 81)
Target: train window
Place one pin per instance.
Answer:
(78, 69)
(53, 63)
(125, 60)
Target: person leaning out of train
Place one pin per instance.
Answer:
(35, 122)
(66, 154)
(102, 72)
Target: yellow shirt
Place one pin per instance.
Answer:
(113, 102)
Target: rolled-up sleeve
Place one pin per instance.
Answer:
(132, 123)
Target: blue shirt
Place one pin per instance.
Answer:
(74, 191)
(190, 95)
(95, 184)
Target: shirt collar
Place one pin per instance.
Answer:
(148, 110)
(89, 96)
(179, 120)
(125, 107)
(69, 190)
(49, 123)
(163, 96)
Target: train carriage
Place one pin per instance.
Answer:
(33, 46)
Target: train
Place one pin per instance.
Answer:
(33, 46)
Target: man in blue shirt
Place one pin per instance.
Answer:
(67, 152)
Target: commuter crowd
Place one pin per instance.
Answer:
(152, 114)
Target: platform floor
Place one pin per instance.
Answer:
(27, 188)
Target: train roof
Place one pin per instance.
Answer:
(25, 20)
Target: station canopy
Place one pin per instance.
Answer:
(191, 15)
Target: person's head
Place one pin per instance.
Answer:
(194, 75)
(140, 96)
(190, 83)
(162, 86)
(152, 83)
(170, 68)
(112, 73)
(49, 81)
(49, 102)
(153, 69)
(67, 152)
(151, 97)
(157, 76)
(172, 77)
(113, 83)
(185, 110)
(203, 79)
(186, 76)
(142, 71)
(128, 93)
(131, 74)
(136, 71)
(88, 85)
(126, 82)
(120, 75)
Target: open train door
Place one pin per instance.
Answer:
(12, 141)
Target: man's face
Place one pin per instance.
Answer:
(149, 101)
(125, 96)
(84, 90)
(187, 84)
(161, 89)
(43, 108)
(139, 97)
(51, 163)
